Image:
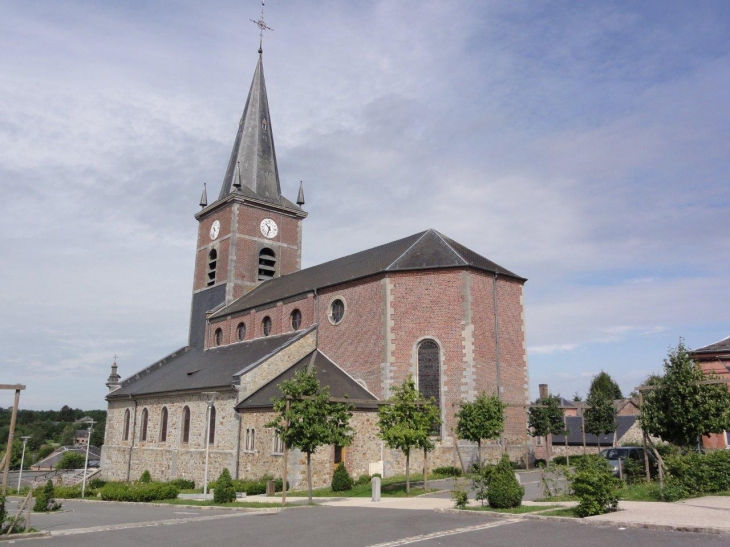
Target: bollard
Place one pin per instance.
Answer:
(375, 483)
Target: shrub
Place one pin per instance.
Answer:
(459, 494)
(633, 471)
(71, 460)
(44, 501)
(376, 475)
(694, 474)
(363, 479)
(539, 462)
(68, 492)
(480, 481)
(44, 452)
(224, 492)
(449, 471)
(96, 483)
(139, 491)
(341, 479)
(182, 484)
(146, 477)
(504, 490)
(595, 486)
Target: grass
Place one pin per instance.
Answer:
(563, 512)
(562, 497)
(514, 510)
(640, 492)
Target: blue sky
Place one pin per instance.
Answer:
(583, 145)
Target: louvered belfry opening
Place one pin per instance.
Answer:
(212, 265)
(267, 264)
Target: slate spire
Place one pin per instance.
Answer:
(300, 197)
(253, 159)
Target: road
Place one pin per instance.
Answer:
(122, 525)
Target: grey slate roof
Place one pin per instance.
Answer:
(191, 368)
(422, 251)
(575, 436)
(328, 373)
(722, 346)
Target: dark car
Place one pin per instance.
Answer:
(616, 455)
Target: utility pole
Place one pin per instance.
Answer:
(86, 461)
(9, 451)
(210, 398)
(22, 461)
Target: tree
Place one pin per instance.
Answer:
(603, 383)
(66, 414)
(408, 422)
(600, 416)
(545, 418)
(71, 460)
(311, 420)
(678, 409)
(481, 419)
(97, 435)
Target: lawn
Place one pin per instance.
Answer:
(393, 487)
(563, 512)
(514, 510)
(640, 492)
(562, 497)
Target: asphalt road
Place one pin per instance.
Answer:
(100, 524)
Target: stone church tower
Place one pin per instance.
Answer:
(251, 233)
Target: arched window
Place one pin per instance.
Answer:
(212, 265)
(125, 434)
(296, 319)
(218, 337)
(211, 429)
(143, 429)
(267, 264)
(186, 425)
(429, 370)
(241, 331)
(266, 325)
(163, 425)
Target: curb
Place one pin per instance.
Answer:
(21, 537)
(275, 508)
(600, 523)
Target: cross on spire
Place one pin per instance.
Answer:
(262, 27)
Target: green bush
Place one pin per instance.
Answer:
(481, 476)
(224, 492)
(182, 484)
(96, 483)
(69, 492)
(633, 471)
(139, 491)
(695, 474)
(44, 451)
(71, 460)
(539, 462)
(504, 490)
(595, 486)
(449, 471)
(44, 501)
(363, 479)
(574, 460)
(341, 479)
(146, 477)
(459, 494)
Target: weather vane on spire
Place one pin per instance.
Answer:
(262, 27)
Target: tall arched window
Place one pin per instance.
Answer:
(212, 265)
(211, 428)
(218, 337)
(266, 325)
(296, 319)
(163, 425)
(267, 264)
(125, 433)
(186, 425)
(143, 429)
(429, 370)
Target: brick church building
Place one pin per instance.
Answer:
(423, 305)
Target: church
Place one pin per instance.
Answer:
(423, 305)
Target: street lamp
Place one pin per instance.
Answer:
(22, 461)
(86, 461)
(210, 398)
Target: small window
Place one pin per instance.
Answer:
(264, 125)
(143, 429)
(212, 265)
(337, 311)
(125, 433)
(211, 429)
(266, 325)
(277, 446)
(186, 425)
(250, 445)
(163, 425)
(267, 264)
(296, 319)
(241, 331)
(218, 337)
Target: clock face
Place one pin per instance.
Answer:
(215, 229)
(269, 228)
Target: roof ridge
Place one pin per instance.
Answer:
(441, 237)
(262, 386)
(423, 234)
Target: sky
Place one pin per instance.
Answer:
(582, 145)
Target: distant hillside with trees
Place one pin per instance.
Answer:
(47, 430)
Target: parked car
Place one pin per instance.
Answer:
(621, 454)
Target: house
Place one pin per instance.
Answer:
(715, 359)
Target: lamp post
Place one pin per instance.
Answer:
(210, 398)
(22, 461)
(86, 461)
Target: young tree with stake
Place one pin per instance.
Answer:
(481, 419)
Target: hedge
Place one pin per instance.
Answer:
(139, 491)
(695, 474)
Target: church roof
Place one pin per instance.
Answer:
(423, 251)
(723, 346)
(252, 165)
(341, 384)
(191, 368)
